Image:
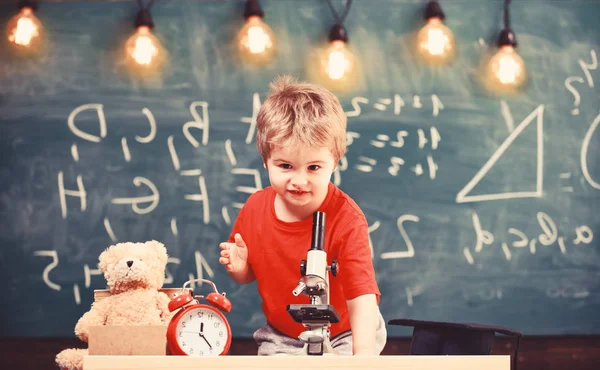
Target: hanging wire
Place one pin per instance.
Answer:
(147, 7)
(144, 18)
(506, 15)
(337, 17)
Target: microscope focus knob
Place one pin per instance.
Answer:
(334, 267)
(303, 268)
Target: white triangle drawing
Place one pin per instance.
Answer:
(463, 195)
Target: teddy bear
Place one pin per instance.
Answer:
(134, 273)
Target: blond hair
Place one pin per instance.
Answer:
(300, 113)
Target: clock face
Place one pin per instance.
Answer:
(202, 331)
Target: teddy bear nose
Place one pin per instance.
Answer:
(129, 263)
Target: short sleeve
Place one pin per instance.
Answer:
(238, 225)
(357, 274)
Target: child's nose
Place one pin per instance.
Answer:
(299, 178)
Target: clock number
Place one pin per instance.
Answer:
(210, 316)
(221, 333)
(191, 351)
(183, 324)
(200, 314)
(217, 324)
(183, 344)
(218, 344)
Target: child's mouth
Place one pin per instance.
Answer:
(298, 193)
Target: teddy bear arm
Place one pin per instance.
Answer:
(163, 306)
(96, 316)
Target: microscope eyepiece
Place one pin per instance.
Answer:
(318, 231)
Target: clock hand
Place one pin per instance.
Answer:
(201, 328)
(203, 337)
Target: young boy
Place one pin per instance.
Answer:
(301, 136)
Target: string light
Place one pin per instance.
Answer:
(338, 61)
(435, 41)
(506, 69)
(143, 51)
(337, 67)
(256, 40)
(24, 30)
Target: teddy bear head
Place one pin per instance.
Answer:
(128, 266)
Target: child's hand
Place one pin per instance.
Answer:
(234, 255)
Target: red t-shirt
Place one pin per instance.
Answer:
(275, 249)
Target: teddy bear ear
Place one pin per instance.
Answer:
(161, 251)
(103, 259)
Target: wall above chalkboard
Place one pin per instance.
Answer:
(481, 208)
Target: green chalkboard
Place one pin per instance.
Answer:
(482, 208)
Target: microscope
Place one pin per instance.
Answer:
(318, 315)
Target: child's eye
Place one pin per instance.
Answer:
(285, 166)
(313, 167)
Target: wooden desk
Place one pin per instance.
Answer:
(295, 363)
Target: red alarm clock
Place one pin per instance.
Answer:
(199, 329)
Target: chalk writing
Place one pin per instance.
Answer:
(549, 236)
(371, 229)
(99, 108)
(568, 291)
(510, 124)
(126, 152)
(252, 120)
(417, 102)
(537, 115)
(152, 122)
(109, 230)
(410, 249)
(584, 150)
(412, 292)
(397, 102)
(576, 96)
(173, 152)
(199, 122)
(395, 167)
(75, 152)
(435, 138)
(153, 199)
(63, 193)
(367, 166)
(202, 197)
(586, 68)
(248, 181)
(202, 267)
(49, 268)
(230, 153)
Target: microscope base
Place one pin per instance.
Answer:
(316, 340)
(317, 349)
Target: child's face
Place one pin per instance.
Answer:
(300, 176)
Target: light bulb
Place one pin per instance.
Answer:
(24, 30)
(337, 61)
(506, 68)
(256, 40)
(333, 65)
(435, 41)
(143, 50)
